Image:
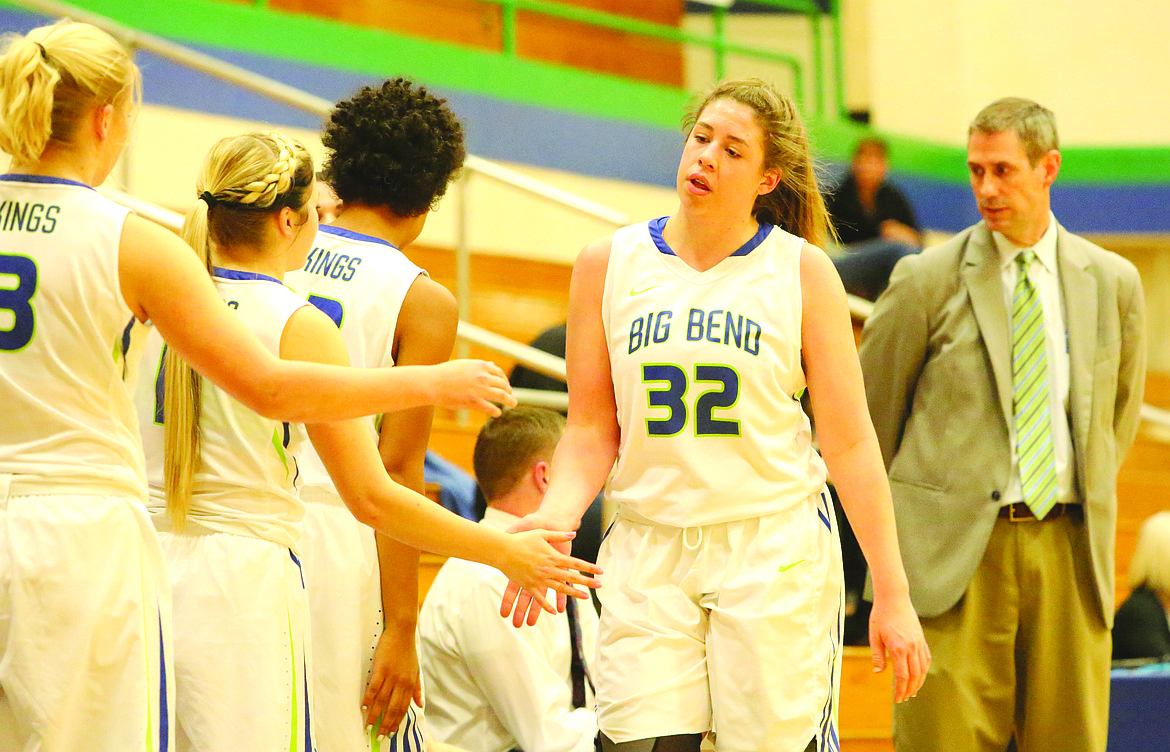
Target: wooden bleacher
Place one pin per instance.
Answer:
(520, 298)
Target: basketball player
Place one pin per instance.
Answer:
(691, 340)
(393, 150)
(229, 522)
(84, 608)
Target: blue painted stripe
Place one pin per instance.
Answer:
(351, 235)
(242, 276)
(14, 177)
(1081, 208)
(559, 140)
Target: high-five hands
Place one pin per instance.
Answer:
(524, 603)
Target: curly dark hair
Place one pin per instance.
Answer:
(397, 146)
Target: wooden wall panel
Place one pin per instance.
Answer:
(539, 37)
(466, 22)
(1143, 485)
(561, 42)
(517, 298)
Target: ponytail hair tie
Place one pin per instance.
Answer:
(208, 199)
(44, 54)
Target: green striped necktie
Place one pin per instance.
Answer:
(1030, 393)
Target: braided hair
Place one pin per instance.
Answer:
(244, 180)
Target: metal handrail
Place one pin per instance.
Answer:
(281, 92)
(716, 42)
(1156, 415)
(537, 360)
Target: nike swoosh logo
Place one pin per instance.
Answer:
(634, 292)
(793, 564)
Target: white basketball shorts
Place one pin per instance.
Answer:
(84, 623)
(241, 643)
(732, 628)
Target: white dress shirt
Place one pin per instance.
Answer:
(490, 686)
(1045, 278)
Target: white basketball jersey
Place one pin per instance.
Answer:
(707, 375)
(66, 338)
(247, 480)
(360, 282)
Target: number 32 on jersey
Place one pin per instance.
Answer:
(667, 385)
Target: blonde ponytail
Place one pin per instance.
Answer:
(27, 82)
(48, 79)
(183, 400)
(243, 179)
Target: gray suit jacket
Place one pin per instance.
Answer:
(936, 355)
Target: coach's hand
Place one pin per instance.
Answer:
(895, 634)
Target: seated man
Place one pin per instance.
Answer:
(874, 221)
(492, 687)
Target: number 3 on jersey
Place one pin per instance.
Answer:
(17, 299)
(672, 397)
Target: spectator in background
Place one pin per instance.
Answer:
(994, 365)
(874, 221)
(552, 341)
(491, 687)
(1141, 629)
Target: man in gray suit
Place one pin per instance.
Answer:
(1004, 371)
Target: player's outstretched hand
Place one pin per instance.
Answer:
(896, 635)
(518, 603)
(472, 385)
(394, 681)
(543, 562)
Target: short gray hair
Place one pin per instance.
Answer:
(1032, 123)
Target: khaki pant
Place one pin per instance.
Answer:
(1024, 652)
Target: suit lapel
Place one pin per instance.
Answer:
(1078, 285)
(981, 275)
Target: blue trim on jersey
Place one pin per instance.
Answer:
(43, 179)
(239, 276)
(164, 729)
(126, 336)
(656, 226)
(351, 235)
(300, 569)
(825, 512)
